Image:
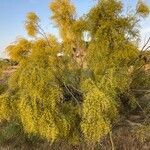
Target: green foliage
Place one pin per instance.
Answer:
(9, 131)
(98, 111)
(143, 9)
(5, 109)
(142, 133)
(20, 50)
(2, 88)
(55, 97)
(3, 65)
(63, 17)
(31, 24)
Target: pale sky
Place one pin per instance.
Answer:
(13, 12)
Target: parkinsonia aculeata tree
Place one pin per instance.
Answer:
(71, 89)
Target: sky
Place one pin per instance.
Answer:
(13, 13)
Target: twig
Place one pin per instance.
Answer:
(111, 140)
(133, 123)
(138, 90)
(42, 32)
(71, 94)
(146, 44)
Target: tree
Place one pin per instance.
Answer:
(75, 96)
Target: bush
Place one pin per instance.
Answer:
(71, 90)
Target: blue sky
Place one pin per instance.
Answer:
(13, 12)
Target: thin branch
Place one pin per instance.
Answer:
(42, 32)
(145, 44)
(147, 48)
(71, 94)
(143, 49)
(138, 90)
(111, 140)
